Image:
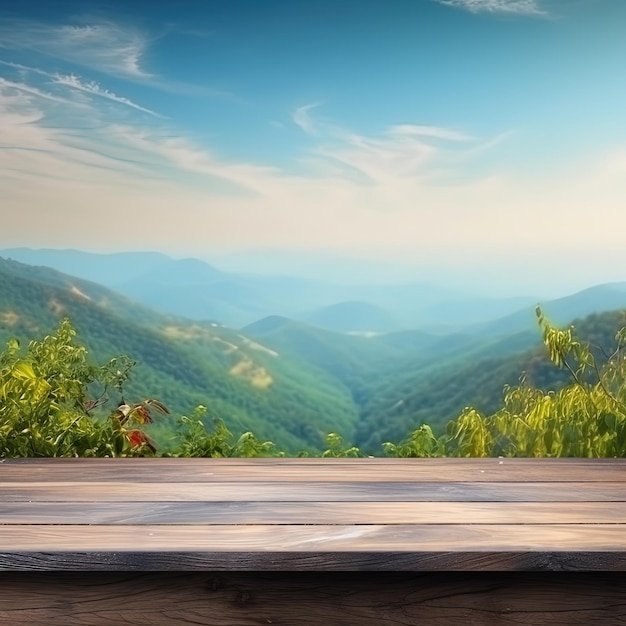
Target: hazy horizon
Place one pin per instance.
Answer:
(343, 270)
(478, 143)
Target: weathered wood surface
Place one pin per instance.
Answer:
(324, 470)
(313, 514)
(312, 599)
(410, 491)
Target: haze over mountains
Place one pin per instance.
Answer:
(292, 359)
(196, 290)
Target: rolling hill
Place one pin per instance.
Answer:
(180, 362)
(561, 311)
(352, 317)
(288, 380)
(400, 399)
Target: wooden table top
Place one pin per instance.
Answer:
(313, 514)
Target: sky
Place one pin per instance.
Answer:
(476, 141)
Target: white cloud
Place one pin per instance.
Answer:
(70, 81)
(33, 91)
(27, 69)
(93, 88)
(72, 177)
(414, 130)
(400, 152)
(303, 120)
(520, 7)
(106, 47)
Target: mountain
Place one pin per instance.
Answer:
(106, 269)
(348, 358)
(288, 380)
(561, 311)
(402, 398)
(180, 362)
(186, 287)
(194, 289)
(358, 359)
(352, 317)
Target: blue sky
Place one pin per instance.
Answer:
(476, 138)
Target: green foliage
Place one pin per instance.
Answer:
(586, 418)
(420, 443)
(199, 442)
(189, 363)
(336, 449)
(46, 409)
(42, 402)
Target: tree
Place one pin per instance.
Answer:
(586, 418)
(45, 402)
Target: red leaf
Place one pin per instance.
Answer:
(136, 438)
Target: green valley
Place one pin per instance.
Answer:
(287, 380)
(183, 363)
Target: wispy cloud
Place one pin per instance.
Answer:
(33, 91)
(93, 88)
(399, 152)
(25, 68)
(418, 130)
(134, 185)
(303, 120)
(70, 81)
(106, 47)
(519, 7)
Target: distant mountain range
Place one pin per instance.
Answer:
(348, 366)
(194, 289)
(608, 297)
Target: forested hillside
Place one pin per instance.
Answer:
(438, 391)
(47, 409)
(283, 379)
(184, 363)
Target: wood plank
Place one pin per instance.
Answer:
(312, 599)
(316, 514)
(310, 461)
(314, 538)
(331, 470)
(327, 561)
(311, 491)
(389, 513)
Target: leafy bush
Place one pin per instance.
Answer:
(46, 409)
(199, 442)
(43, 402)
(584, 419)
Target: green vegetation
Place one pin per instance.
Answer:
(44, 406)
(52, 403)
(188, 363)
(436, 387)
(306, 389)
(46, 409)
(585, 418)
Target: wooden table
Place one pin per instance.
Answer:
(312, 541)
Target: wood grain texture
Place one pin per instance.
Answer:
(327, 561)
(314, 537)
(324, 470)
(313, 514)
(380, 491)
(390, 513)
(309, 599)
